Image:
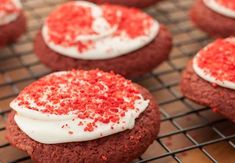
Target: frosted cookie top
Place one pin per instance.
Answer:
(9, 11)
(223, 7)
(230, 4)
(74, 106)
(216, 63)
(84, 30)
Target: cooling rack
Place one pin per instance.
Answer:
(189, 132)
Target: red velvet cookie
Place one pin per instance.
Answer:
(133, 63)
(216, 22)
(209, 79)
(123, 146)
(130, 3)
(11, 28)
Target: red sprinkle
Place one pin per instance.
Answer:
(227, 3)
(218, 59)
(8, 6)
(94, 94)
(214, 85)
(104, 157)
(80, 124)
(70, 132)
(69, 21)
(133, 21)
(215, 110)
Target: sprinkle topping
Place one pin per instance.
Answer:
(133, 23)
(80, 24)
(227, 3)
(94, 95)
(7, 6)
(218, 59)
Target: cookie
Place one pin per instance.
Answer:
(130, 56)
(209, 78)
(103, 135)
(215, 17)
(131, 65)
(130, 3)
(12, 23)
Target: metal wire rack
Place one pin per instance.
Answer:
(189, 132)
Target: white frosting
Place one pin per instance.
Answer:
(6, 18)
(100, 25)
(206, 75)
(215, 6)
(47, 128)
(106, 45)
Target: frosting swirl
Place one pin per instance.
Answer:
(84, 30)
(9, 11)
(216, 63)
(223, 7)
(74, 106)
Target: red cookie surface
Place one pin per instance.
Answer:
(9, 33)
(220, 99)
(209, 78)
(122, 147)
(133, 64)
(211, 22)
(130, 3)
